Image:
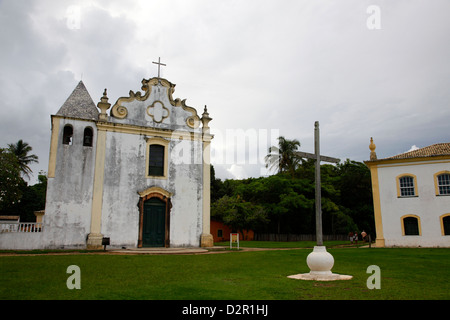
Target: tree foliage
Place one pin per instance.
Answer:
(16, 196)
(21, 150)
(288, 199)
(283, 157)
(10, 181)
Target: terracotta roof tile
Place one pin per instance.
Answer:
(439, 149)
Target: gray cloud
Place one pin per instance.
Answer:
(256, 64)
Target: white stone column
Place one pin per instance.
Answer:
(207, 239)
(95, 236)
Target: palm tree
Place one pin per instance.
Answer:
(283, 157)
(21, 150)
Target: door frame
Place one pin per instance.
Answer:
(163, 195)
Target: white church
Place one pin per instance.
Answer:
(411, 197)
(139, 176)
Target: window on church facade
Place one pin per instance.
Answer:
(87, 137)
(156, 160)
(407, 186)
(68, 135)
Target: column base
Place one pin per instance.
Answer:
(379, 243)
(94, 241)
(206, 240)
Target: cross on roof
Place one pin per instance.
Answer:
(159, 65)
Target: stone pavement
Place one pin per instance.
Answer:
(159, 250)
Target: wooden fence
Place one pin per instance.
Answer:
(298, 237)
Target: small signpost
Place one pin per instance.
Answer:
(234, 238)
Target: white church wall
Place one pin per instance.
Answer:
(69, 193)
(185, 179)
(124, 165)
(426, 205)
(125, 176)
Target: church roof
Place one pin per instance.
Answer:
(79, 105)
(439, 149)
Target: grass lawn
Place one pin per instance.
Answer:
(257, 275)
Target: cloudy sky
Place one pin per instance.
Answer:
(362, 68)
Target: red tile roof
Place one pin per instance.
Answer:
(439, 149)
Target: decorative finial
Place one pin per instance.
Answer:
(205, 120)
(103, 105)
(372, 147)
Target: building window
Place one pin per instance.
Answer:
(88, 136)
(411, 226)
(445, 225)
(443, 183)
(407, 186)
(156, 160)
(68, 135)
(219, 233)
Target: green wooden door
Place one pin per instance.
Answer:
(154, 228)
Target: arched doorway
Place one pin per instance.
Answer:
(154, 218)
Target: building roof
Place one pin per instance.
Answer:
(439, 149)
(79, 105)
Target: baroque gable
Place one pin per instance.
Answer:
(155, 108)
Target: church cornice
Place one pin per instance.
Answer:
(72, 118)
(150, 131)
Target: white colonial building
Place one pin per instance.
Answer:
(139, 176)
(411, 196)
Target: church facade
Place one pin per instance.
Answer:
(139, 175)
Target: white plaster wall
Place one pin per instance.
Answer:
(125, 155)
(186, 181)
(69, 194)
(21, 241)
(125, 176)
(427, 206)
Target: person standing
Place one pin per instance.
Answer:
(364, 235)
(350, 235)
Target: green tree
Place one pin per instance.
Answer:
(283, 157)
(21, 150)
(10, 181)
(288, 198)
(356, 193)
(238, 214)
(33, 199)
